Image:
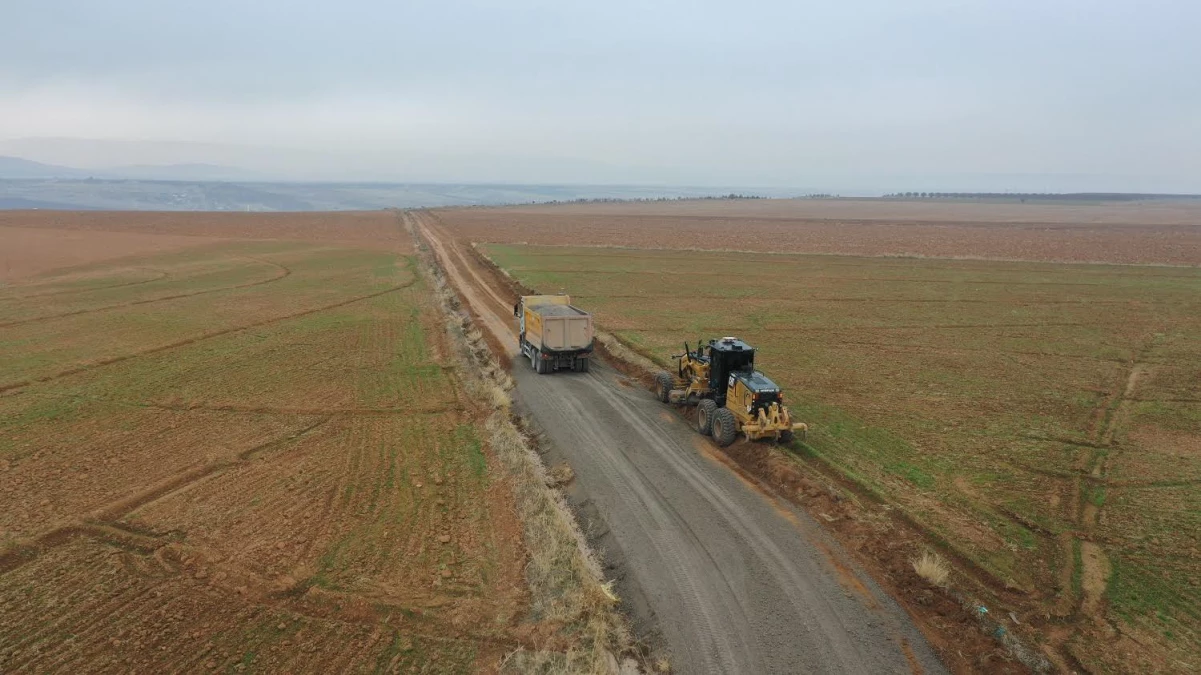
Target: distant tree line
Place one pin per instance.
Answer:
(1040, 196)
(628, 200)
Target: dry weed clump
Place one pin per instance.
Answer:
(564, 577)
(932, 568)
(561, 475)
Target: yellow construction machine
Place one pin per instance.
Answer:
(730, 395)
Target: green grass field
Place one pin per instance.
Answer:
(1016, 410)
(257, 448)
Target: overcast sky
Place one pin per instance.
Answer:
(849, 94)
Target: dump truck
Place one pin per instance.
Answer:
(730, 395)
(554, 334)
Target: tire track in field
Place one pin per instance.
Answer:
(162, 274)
(1104, 481)
(204, 336)
(107, 516)
(283, 273)
(1089, 474)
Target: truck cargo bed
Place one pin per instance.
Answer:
(558, 310)
(554, 334)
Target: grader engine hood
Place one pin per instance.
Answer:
(756, 390)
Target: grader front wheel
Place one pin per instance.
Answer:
(663, 386)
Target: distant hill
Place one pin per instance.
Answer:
(7, 203)
(17, 168)
(182, 172)
(98, 192)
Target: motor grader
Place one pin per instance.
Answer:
(730, 395)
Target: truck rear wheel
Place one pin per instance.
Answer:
(663, 386)
(584, 365)
(725, 427)
(540, 364)
(704, 416)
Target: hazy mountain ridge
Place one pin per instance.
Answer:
(19, 168)
(152, 195)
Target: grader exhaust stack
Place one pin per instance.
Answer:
(731, 396)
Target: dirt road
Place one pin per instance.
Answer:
(734, 580)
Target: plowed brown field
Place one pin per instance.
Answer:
(365, 228)
(36, 242)
(29, 251)
(1040, 421)
(1157, 232)
(251, 455)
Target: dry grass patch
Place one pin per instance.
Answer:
(565, 579)
(931, 567)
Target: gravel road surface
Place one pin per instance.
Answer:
(735, 580)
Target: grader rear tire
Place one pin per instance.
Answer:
(725, 427)
(663, 386)
(704, 416)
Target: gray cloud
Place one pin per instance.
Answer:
(842, 95)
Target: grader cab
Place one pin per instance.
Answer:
(731, 396)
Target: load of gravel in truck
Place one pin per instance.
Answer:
(554, 334)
